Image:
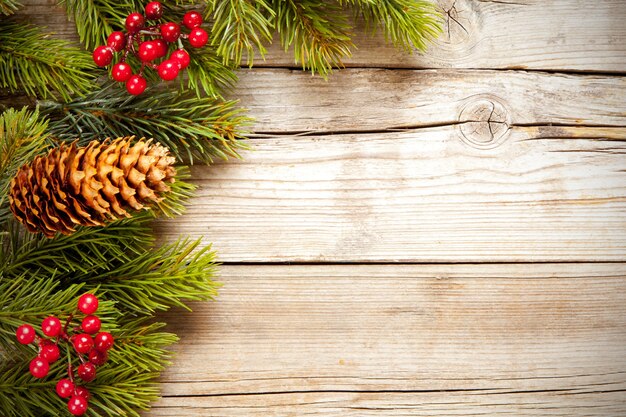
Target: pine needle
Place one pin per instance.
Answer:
(192, 128)
(41, 66)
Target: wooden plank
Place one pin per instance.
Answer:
(365, 99)
(552, 34)
(403, 340)
(427, 195)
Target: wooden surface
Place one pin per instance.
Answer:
(427, 235)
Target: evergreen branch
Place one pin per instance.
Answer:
(8, 7)
(22, 136)
(240, 26)
(191, 127)
(318, 30)
(39, 65)
(207, 73)
(163, 277)
(96, 19)
(408, 24)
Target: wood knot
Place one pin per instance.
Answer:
(460, 25)
(484, 122)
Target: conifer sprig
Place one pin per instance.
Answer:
(192, 128)
(8, 7)
(240, 26)
(32, 62)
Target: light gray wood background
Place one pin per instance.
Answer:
(420, 235)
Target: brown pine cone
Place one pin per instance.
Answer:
(90, 185)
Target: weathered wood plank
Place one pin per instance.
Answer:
(551, 34)
(366, 99)
(441, 194)
(404, 340)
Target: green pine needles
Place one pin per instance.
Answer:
(70, 100)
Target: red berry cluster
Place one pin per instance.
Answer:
(83, 343)
(149, 44)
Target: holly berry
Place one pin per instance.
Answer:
(97, 357)
(154, 10)
(88, 303)
(77, 405)
(117, 41)
(134, 22)
(103, 341)
(161, 47)
(83, 343)
(39, 367)
(82, 392)
(170, 31)
(148, 51)
(51, 326)
(102, 56)
(91, 324)
(198, 37)
(181, 57)
(136, 85)
(25, 334)
(192, 19)
(87, 371)
(64, 388)
(120, 72)
(50, 352)
(168, 70)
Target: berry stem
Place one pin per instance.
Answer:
(180, 43)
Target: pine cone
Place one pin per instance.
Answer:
(89, 185)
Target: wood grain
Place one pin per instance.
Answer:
(404, 340)
(538, 193)
(284, 101)
(564, 35)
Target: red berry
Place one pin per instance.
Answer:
(39, 367)
(25, 334)
(51, 326)
(50, 352)
(103, 341)
(65, 388)
(136, 85)
(117, 41)
(170, 31)
(82, 392)
(97, 357)
(102, 56)
(154, 10)
(77, 405)
(161, 47)
(134, 22)
(87, 371)
(148, 51)
(91, 324)
(192, 20)
(120, 72)
(88, 303)
(198, 38)
(181, 57)
(83, 343)
(168, 70)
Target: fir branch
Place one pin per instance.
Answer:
(191, 127)
(208, 74)
(41, 66)
(163, 277)
(22, 136)
(8, 7)
(408, 24)
(96, 19)
(240, 26)
(318, 30)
